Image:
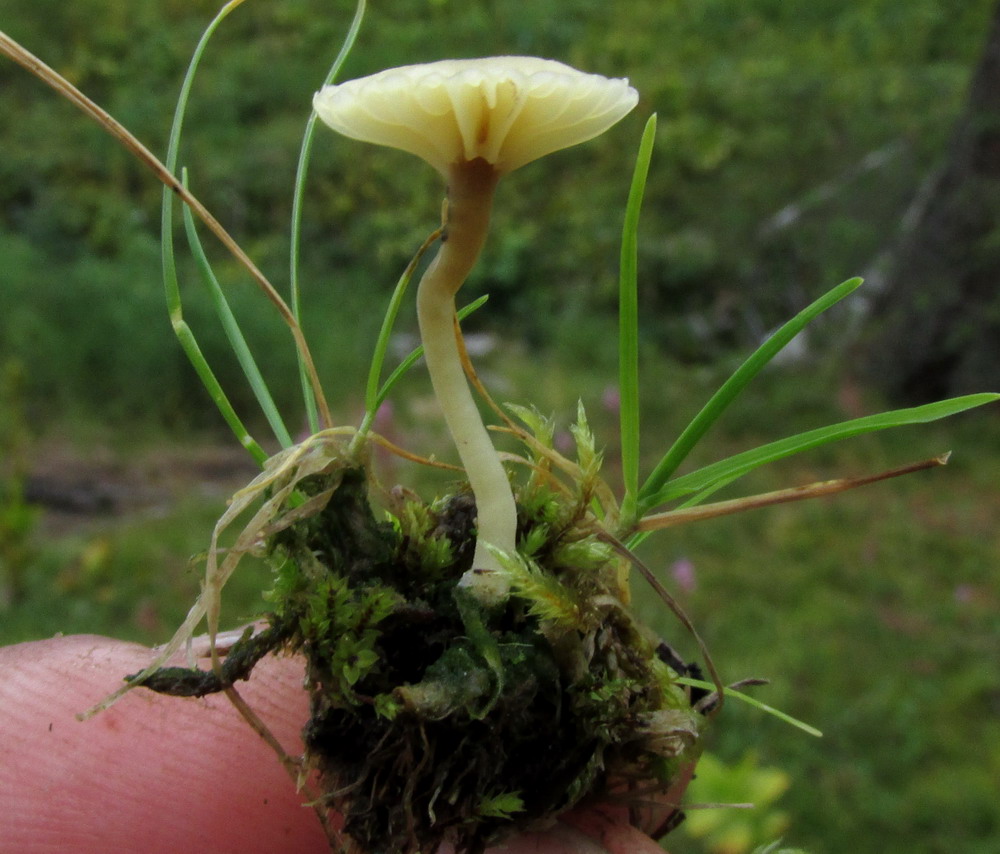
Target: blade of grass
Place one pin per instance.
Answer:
(10, 48)
(171, 283)
(740, 464)
(189, 345)
(711, 411)
(751, 701)
(628, 325)
(296, 229)
(170, 280)
(688, 513)
(232, 329)
(372, 398)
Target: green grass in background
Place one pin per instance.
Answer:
(874, 613)
(761, 105)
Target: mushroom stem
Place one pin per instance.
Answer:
(470, 197)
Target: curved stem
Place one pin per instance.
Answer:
(470, 198)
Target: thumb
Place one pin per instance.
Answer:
(160, 775)
(152, 774)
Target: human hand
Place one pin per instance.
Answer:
(163, 775)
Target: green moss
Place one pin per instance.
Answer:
(434, 719)
(552, 696)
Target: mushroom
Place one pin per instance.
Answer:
(473, 120)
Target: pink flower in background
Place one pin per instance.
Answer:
(386, 426)
(563, 441)
(964, 593)
(682, 571)
(611, 398)
(385, 418)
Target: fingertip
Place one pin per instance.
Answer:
(152, 773)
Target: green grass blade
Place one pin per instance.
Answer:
(170, 281)
(296, 230)
(736, 466)
(191, 349)
(734, 385)
(171, 284)
(233, 333)
(751, 701)
(385, 333)
(412, 357)
(628, 323)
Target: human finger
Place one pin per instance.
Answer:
(152, 774)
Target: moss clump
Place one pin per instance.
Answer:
(436, 720)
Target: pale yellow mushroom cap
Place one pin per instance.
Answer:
(507, 110)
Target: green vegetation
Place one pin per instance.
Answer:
(435, 717)
(762, 105)
(885, 647)
(874, 613)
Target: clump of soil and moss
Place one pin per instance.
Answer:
(435, 718)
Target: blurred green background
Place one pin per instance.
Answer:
(794, 139)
